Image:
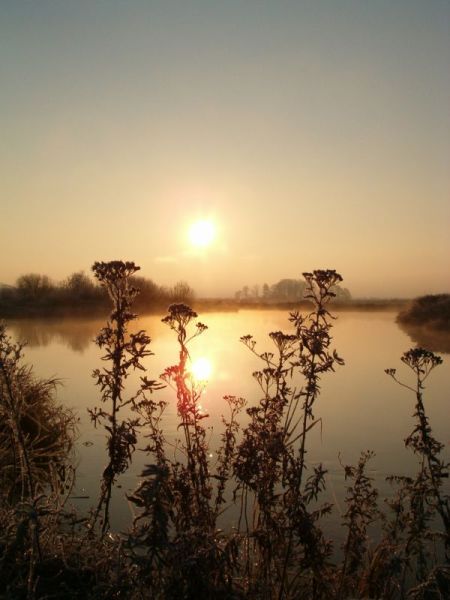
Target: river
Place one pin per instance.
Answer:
(360, 406)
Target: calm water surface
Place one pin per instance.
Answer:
(361, 407)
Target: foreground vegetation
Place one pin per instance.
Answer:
(176, 549)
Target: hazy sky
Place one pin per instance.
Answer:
(316, 134)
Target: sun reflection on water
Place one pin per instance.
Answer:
(201, 369)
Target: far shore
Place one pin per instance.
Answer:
(201, 305)
(225, 304)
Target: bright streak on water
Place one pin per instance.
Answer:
(201, 369)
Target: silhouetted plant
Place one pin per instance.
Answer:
(124, 351)
(35, 433)
(179, 549)
(36, 437)
(285, 548)
(362, 511)
(421, 498)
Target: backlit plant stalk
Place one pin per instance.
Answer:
(287, 542)
(315, 339)
(433, 471)
(124, 352)
(362, 511)
(188, 393)
(179, 549)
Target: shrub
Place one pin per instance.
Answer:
(431, 310)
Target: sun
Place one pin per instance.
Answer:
(202, 233)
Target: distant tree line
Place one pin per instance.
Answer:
(285, 290)
(36, 294)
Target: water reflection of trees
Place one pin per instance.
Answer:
(78, 334)
(75, 334)
(428, 337)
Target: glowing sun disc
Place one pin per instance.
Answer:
(201, 233)
(201, 369)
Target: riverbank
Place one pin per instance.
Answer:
(431, 311)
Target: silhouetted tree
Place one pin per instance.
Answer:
(33, 286)
(289, 290)
(36, 294)
(80, 288)
(182, 292)
(341, 294)
(255, 291)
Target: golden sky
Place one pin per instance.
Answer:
(314, 134)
